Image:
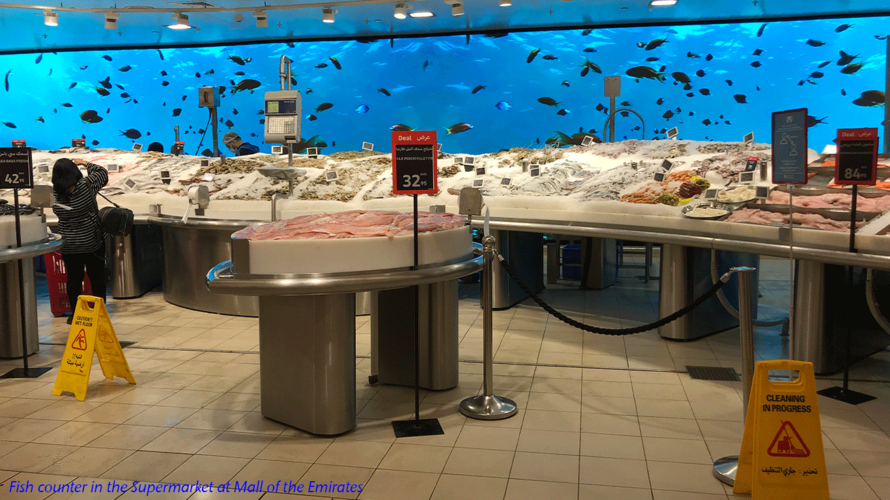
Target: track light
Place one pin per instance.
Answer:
(111, 20)
(661, 3)
(327, 15)
(422, 13)
(50, 18)
(401, 11)
(182, 22)
(457, 9)
(505, 3)
(262, 20)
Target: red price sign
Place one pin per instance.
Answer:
(414, 169)
(857, 157)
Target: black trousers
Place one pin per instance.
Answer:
(95, 268)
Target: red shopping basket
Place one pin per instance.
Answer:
(56, 280)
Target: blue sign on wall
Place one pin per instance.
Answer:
(790, 147)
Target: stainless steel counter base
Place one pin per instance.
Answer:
(820, 301)
(685, 275)
(524, 252)
(10, 310)
(307, 361)
(392, 336)
(190, 250)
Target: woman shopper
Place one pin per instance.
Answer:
(78, 213)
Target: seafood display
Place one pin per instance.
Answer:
(737, 195)
(832, 200)
(352, 224)
(813, 221)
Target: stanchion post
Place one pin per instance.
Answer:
(487, 406)
(725, 468)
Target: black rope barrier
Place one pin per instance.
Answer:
(611, 331)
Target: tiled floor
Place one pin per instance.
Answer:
(601, 418)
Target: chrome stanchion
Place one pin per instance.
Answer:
(725, 468)
(487, 406)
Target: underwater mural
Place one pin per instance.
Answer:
(481, 93)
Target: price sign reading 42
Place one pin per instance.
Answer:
(414, 169)
(15, 168)
(857, 156)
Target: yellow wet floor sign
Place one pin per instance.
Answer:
(91, 331)
(782, 455)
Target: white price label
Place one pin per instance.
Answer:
(480, 171)
(208, 177)
(506, 181)
(367, 146)
(478, 183)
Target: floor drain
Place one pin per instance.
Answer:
(712, 373)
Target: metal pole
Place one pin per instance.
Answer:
(487, 406)
(215, 132)
(612, 128)
(887, 100)
(725, 468)
(22, 312)
(416, 322)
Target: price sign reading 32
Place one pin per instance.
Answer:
(414, 167)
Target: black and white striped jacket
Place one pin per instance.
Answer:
(78, 213)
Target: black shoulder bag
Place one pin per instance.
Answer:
(116, 221)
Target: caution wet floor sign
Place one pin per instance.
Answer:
(782, 455)
(91, 331)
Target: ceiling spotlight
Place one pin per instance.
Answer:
(422, 13)
(262, 20)
(327, 15)
(182, 22)
(662, 3)
(457, 9)
(507, 3)
(401, 11)
(111, 20)
(50, 18)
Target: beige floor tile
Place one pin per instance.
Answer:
(684, 495)
(721, 431)
(190, 399)
(112, 413)
(64, 410)
(608, 389)
(552, 420)
(399, 485)
(18, 408)
(231, 495)
(676, 428)
(541, 441)
(452, 487)
(545, 467)
(612, 446)
(554, 402)
(34, 457)
(694, 478)
(623, 425)
(604, 375)
(175, 381)
(415, 458)
(873, 464)
(556, 385)
(235, 401)
(850, 488)
(659, 391)
(127, 437)
(181, 440)
(880, 485)
(161, 416)
(665, 408)
(237, 444)
(488, 438)
(7, 447)
(366, 454)
(218, 420)
(596, 492)
(475, 462)
(320, 474)
(519, 489)
(75, 433)
(608, 405)
(677, 450)
(146, 466)
(853, 439)
(295, 448)
(613, 472)
(26, 430)
(206, 469)
(654, 377)
(91, 462)
(255, 422)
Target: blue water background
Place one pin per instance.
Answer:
(439, 95)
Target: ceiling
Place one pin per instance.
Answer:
(23, 29)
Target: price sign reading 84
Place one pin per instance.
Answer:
(15, 168)
(414, 169)
(857, 156)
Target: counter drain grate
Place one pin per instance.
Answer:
(712, 373)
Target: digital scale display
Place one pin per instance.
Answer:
(282, 107)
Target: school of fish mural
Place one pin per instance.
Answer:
(481, 93)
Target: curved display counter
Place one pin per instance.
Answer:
(190, 249)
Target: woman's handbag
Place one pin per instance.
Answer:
(117, 221)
